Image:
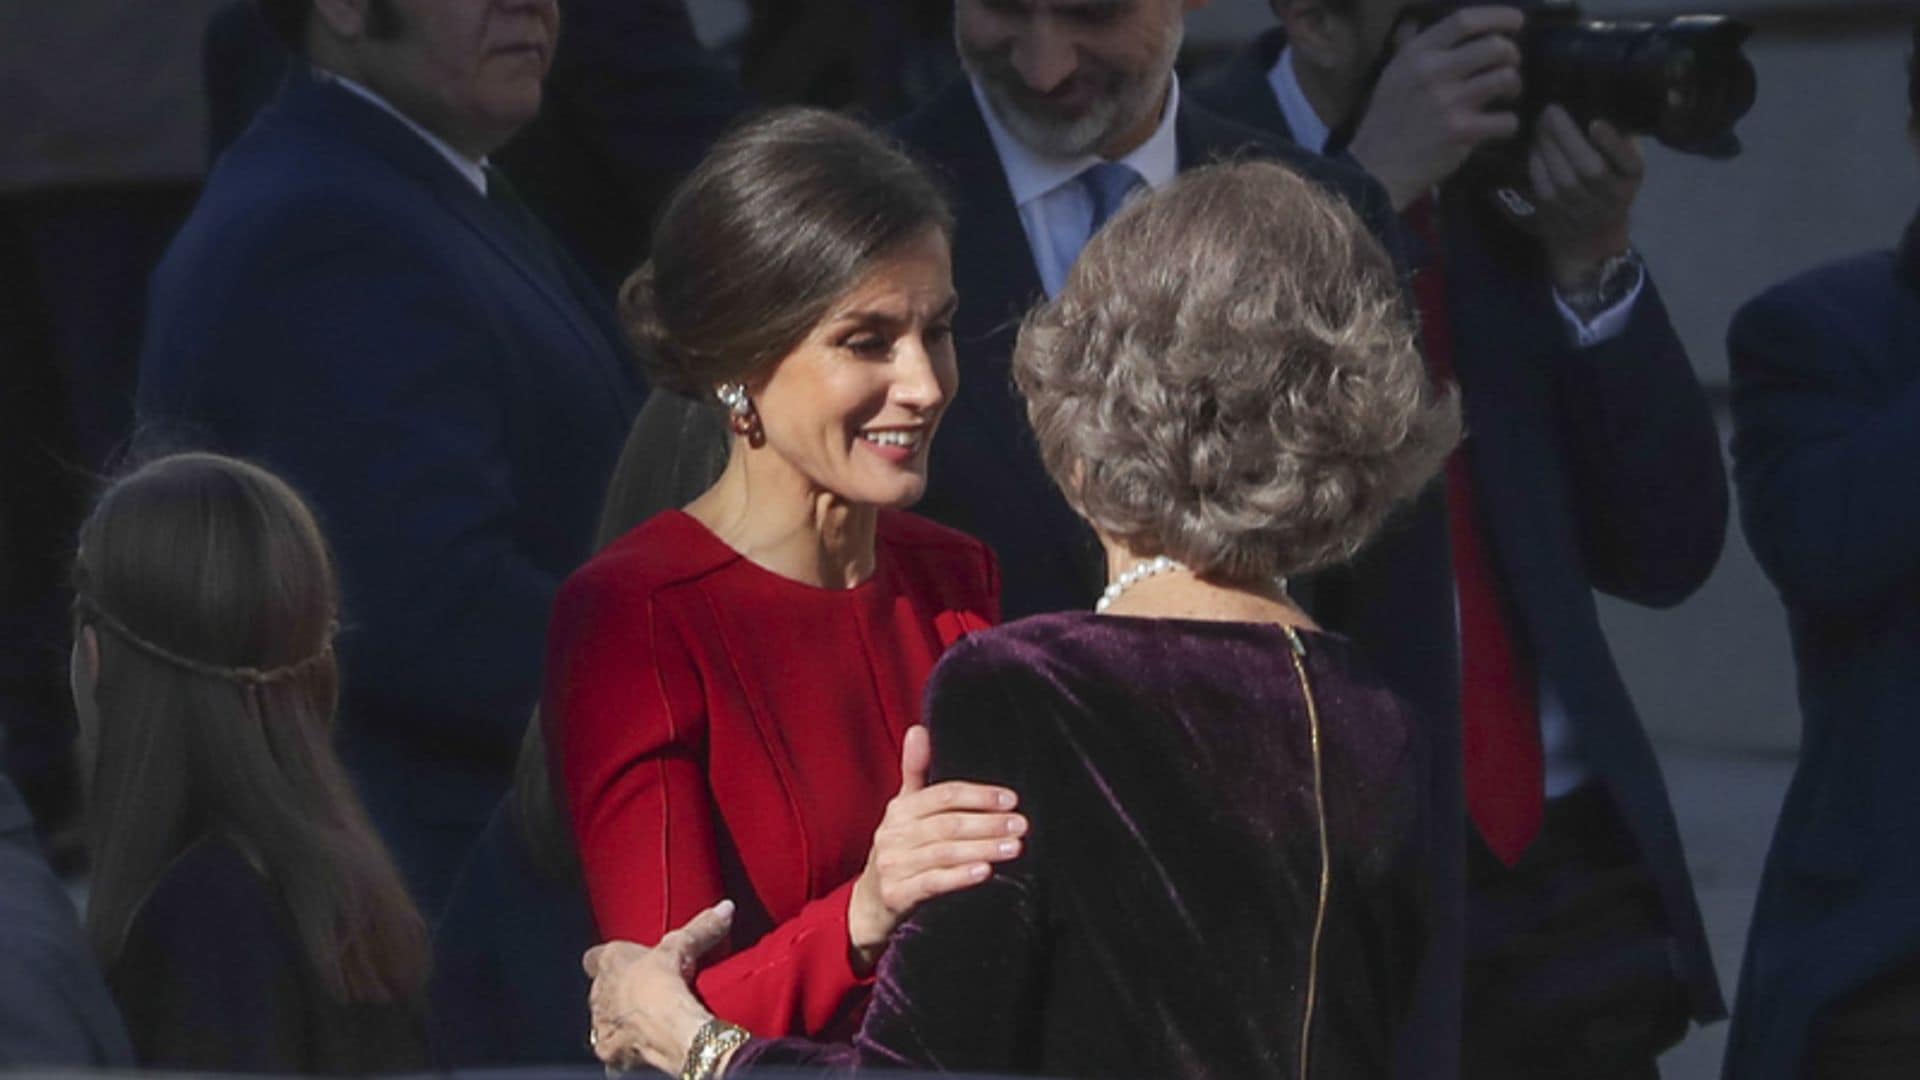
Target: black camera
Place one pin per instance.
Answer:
(1684, 81)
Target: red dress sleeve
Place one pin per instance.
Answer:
(628, 719)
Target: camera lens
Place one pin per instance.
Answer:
(1686, 81)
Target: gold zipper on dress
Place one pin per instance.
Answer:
(1326, 870)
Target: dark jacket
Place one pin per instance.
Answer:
(1598, 468)
(54, 1008)
(213, 977)
(448, 393)
(1826, 409)
(632, 104)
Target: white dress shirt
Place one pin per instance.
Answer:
(1312, 133)
(1565, 767)
(1055, 209)
(475, 172)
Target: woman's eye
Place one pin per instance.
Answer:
(869, 345)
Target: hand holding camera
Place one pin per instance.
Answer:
(1583, 186)
(1448, 89)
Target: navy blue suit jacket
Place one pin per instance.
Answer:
(449, 395)
(55, 1011)
(1826, 409)
(632, 104)
(986, 478)
(1597, 468)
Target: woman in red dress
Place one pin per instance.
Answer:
(733, 688)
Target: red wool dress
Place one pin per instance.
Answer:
(723, 731)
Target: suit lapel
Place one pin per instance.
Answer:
(338, 114)
(486, 221)
(1509, 399)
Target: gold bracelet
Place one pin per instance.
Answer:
(714, 1041)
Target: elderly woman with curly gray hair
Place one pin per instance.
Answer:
(1224, 874)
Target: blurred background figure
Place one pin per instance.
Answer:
(364, 304)
(632, 103)
(882, 58)
(1826, 408)
(55, 1011)
(100, 157)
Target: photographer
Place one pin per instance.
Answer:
(1592, 463)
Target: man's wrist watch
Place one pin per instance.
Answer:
(1616, 280)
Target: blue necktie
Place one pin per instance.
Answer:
(1108, 184)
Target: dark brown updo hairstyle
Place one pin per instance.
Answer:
(213, 599)
(785, 214)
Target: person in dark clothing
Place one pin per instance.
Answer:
(363, 304)
(632, 103)
(54, 1009)
(1826, 443)
(99, 164)
(244, 910)
(1226, 848)
(882, 58)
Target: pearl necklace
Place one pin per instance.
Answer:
(1134, 575)
(1146, 568)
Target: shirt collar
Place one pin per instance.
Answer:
(475, 172)
(1309, 131)
(1032, 175)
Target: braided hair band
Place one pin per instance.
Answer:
(251, 677)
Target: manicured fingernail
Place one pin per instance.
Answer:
(724, 909)
(1007, 800)
(978, 872)
(1008, 847)
(1016, 825)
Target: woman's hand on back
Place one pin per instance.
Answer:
(933, 840)
(644, 1009)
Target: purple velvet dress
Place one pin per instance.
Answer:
(1161, 920)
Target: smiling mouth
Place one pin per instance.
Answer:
(906, 438)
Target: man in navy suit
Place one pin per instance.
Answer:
(362, 304)
(1591, 463)
(1069, 106)
(1826, 451)
(54, 1009)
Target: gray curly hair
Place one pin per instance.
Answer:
(1230, 378)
